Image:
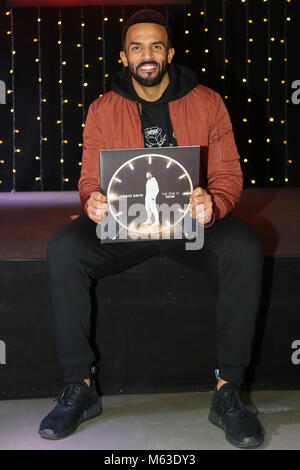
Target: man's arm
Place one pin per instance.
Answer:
(224, 174)
(92, 142)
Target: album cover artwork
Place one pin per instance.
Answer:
(148, 193)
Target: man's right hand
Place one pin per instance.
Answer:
(97, 207)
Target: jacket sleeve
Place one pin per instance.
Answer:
(224, 174)
(93, 141)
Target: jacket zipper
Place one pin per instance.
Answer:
(140, 117)
(139, 110)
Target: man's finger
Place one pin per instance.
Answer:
(200, 208)
(197, 200)
(194, 210)
(101, 212)
(99, 205)
(99, 197)
(204, 216)
(198, 192)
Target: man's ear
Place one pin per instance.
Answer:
(124, 58)
(171, 53)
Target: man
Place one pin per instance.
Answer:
(152, 92)
(152, 190)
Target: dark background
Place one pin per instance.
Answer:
(226, 19)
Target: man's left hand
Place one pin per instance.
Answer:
(201, 205)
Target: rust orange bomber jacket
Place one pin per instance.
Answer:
(199, 118)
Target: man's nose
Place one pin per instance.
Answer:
(147, 53)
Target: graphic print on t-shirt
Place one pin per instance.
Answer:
(154, 137)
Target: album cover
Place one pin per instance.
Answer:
(148, 193)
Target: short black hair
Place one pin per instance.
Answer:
(146, 16)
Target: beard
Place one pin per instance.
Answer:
(149, 80)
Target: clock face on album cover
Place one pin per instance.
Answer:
(149, 192)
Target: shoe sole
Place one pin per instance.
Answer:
(94, 411)
(215, 419)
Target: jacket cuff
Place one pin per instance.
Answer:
(211, 222)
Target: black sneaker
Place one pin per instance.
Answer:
(229, 413)
(75, 404)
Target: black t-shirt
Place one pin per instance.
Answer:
(157, 126)
(155, 118)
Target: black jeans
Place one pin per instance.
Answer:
(75, 257)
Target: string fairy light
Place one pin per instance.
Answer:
(246, 119)
(84, 66)
(102, 56)
(267, 79)
(60, 121)
(40, 100)
(101, 52)
(250, 40)
(222, 20)
(104, 73)
(9, 91)
(84, 83)
(13, 101)
(285, 29)
(186, 35)
(204, 28)
(188, 15)
(121, 21)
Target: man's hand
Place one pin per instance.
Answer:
(201, 205)
(97, 207)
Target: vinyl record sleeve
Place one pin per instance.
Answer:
(148, 193)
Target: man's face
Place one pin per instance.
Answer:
(147, 55)
(148, 175)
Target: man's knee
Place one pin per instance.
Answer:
(246, 245)
(61, 246)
